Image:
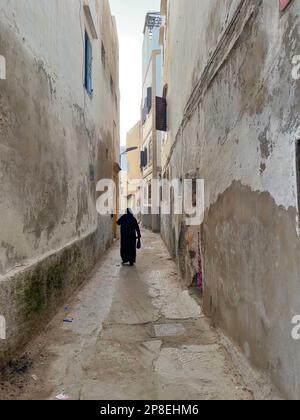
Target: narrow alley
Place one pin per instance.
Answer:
(177, 119)
(136, 334)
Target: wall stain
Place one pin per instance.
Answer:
(266, 145)
(252, 271)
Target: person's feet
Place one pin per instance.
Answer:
(130, 264)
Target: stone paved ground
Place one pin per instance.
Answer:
(137, 334)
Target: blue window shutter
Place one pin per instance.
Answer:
(88, 65)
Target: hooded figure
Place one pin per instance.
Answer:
(130, 232)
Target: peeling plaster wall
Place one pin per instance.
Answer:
(233, 120)
(51, 132)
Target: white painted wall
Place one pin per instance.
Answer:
(190, 46)
(51, 130)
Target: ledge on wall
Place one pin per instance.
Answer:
(89, 17)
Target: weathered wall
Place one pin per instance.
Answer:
(51, 135)
(232, 121)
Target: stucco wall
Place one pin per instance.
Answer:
(51, 135)
(232, 121)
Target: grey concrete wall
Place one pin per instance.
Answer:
(51, 132)
(233, 107)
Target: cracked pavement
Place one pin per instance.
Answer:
(137, 333)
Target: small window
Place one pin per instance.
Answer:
(149, 100)
(92, 173)
(103, 55)
(180, 192)
(194, 192)
(88, 81)
(149, 192)
(143, 159)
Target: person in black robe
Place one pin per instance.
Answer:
(130, 232)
